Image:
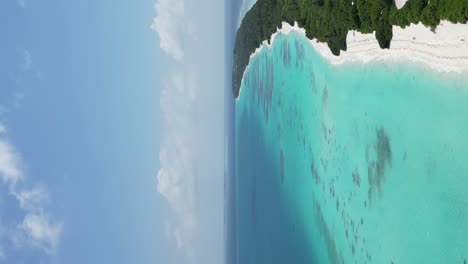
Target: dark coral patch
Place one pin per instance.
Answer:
(325, 97)
(356, 178)
(376, 169)
(314, 172)
(286, 53)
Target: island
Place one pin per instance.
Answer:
(329, 21)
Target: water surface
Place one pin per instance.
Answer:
(354, 164)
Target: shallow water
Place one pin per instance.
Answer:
(354, 164)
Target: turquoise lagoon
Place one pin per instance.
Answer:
(358, 163)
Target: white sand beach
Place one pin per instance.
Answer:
(400, 3)
(445, 50)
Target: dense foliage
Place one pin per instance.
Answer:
(330, 20)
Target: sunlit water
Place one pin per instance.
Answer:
(354, 164)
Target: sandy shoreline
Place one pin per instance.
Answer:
(400, 3)
(446, 50)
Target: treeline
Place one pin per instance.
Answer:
(330, 20)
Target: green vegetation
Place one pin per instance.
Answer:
(330, 20)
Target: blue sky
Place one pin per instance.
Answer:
(111, 131)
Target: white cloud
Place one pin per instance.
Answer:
(176, 176)
(41, 232)
(32, 200)
(169, 23)
(190, 170)
(37, 229)
(9, 163)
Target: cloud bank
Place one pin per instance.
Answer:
(177, 162)
(175, 178)
(189, 177)
(169, 23)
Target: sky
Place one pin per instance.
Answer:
(111, 131)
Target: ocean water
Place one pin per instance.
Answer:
(244, 8)
(349, 164)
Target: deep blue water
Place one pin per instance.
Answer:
(232, 9)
